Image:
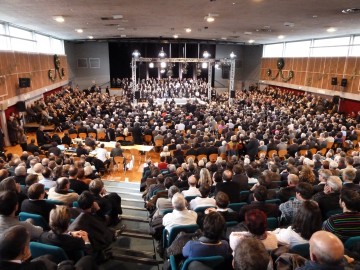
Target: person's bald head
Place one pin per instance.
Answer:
(38, 167)
(192, 180)
(326, 248)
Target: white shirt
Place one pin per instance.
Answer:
(180, 126)
(102, 154)
(198, 202)
(289, 237)
(47, 183)
(192, 191)
(185, 217)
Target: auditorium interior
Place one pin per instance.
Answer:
(193, 133)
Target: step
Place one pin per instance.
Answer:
(135, 218)
(135, 259)
(134, 208)
(112, 183)
(130, 211)
(128, 195)
(132, 252)
(136, 234)
(132, 202)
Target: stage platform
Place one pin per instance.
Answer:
(34, 125)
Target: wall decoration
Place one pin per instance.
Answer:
(280, 65)
(58, 70)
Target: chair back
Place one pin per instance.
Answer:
(333, 212)
(147, 139)
(119, 161)
(273, 223)
(303, 152)
(200, 157)
(351, 242)
(166, 211)
(73, 136)
(38, 249)
(54, 202)
(211, 261)
(236, 206)
(37, 219)
(169, 236)
(302, 250)
(271, 153)
(274, 201)
(129, 138)
(159, 142)
(82, 135)
(93, 134)
(213, 157)
(189, 198)
(190, 156)
(101, 136)
(282, 153)
(201, 209)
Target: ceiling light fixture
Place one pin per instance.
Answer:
(232, 55)
(331, 29)
(136, 54)
(79, 30)
(204, 65)
(162, 54)
(210, 17)
(187, 30)
(206, 54)
(151, 65)
(176, 36)
(163, 65)
(281, 37)
(59, 19)
(90, 37)
(251, 41)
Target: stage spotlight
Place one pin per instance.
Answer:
(163, 65)
(232, 55)
(217, 66)
(136, 54)
(162, 71)
(206, 54)
(151, 65)
(204, 65)
(162, 54)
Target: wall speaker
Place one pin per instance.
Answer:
(343, 82)
(333, 81)
(336, 99)
(137, 95)
(20, 106)
(24, 82)
(232, 94)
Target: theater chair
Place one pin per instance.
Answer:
(211, 261)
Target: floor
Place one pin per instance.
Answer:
(133, 175)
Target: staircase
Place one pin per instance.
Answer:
(135, 248)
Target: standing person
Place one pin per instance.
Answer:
(23, 139)
(40, 136)
(137, 134)
(2, 136)
(12, 130)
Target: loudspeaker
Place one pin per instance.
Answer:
(336, 99)
(24, 82)
(333, 81)
(232, 94)
(20, 106)
(343, 82)
(137, 94)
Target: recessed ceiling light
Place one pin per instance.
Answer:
(224, 38)
(210, 19)
(251, 41)
(281, 37)
(116, 17)
(79, 30)
(247, 33)
(315, 16)
(121, 28)
(59, 19)
(351, 10)
(188, 30)
(331, 29)
(90, 37)
(176, 36)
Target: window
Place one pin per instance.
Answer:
(43, 43)
(355, 50)
(22, 45)
(331, 47)
(20, 33)
(273, 50)
(297, 49)
(57, 46)
(341, 41)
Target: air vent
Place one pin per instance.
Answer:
(111, 24)
(351, 10)
(111, 18)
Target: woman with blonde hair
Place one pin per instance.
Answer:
(307, 175)
(205, 177)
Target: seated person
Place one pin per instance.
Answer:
(193, 190)
(210, 244)
(204, 200)
(256, 222)
(346, 224)
(29, 180)
(162, 165)
(9, 184)
(307, 221)
(109, 203)
(251, 254)
(326, 252)
(222, 203)
(165, 203)
(260, 195)
(180, 215)
(36, 204)
(61, 192)
(285, 193)
(8, 208)
(72, 242)
(15, 254)
(100, 235)
(232, 189)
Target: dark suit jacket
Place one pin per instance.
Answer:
(286, 193)
(37, 265)
(78, 186)
(231, 189)
(32, 148)
(39, 207)
(327, 202)
(100, 235)
(241, 180)
(351, 186)
(271, 210)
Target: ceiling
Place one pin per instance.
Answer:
(237, 21)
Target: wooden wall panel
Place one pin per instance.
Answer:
(14, 65)
(318, 71)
